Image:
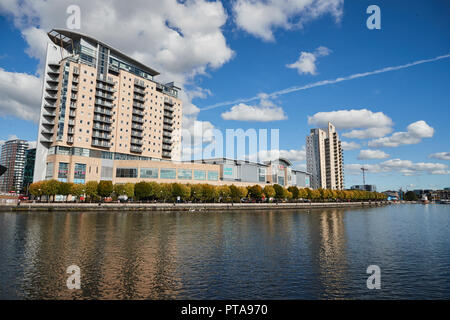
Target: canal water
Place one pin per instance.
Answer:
(290, 254)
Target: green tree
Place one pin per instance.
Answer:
(105, 188)
(142, 190)
(196, 192)
(295, 192)
(210, 193)
(180, 190)
(36, 189)
(50, 188)
(279, 192)
(303, 193)
(91, 190)
(77, 190)
(64, 189)
(235, 193)
(410, 196)
(269, 191)
(255, 192)
(224, 193)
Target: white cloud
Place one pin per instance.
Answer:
(20, 95)
(350, 145)
(261, 18)
(440, 155)
(372, 154)
(264, 112)
(368, 133)
(179, 39)
(406, 167)
(306, 62)
(293, 155)
(415, 133)
(349, 119)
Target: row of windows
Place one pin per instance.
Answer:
(167, 173)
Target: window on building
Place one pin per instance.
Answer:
(213, 175)
(199, 174)
(126, 173)
(79, 174)
(149, 173)
(185, 174)
(49, 171)
(63, 171)
(168, 174)
(262, 174)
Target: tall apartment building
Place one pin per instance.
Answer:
(101, 104)
(13, 157)
(324, 158)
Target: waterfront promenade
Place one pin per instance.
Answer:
(58, 206)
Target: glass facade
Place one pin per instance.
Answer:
(79, 175)
(126, 172)
(168, 174)
(149, 173)
(262, 174)
(63, 171)
(199, 175)
(185, 174)
(213, 175)
(49, 171)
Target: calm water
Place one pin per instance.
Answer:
(228, 255)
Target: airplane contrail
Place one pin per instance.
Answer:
(325, 82)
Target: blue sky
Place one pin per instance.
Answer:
(247, 62)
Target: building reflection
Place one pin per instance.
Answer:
(328, 251)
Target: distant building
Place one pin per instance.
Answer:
(13, 158)
(270, 172)
(364, 187)
(30, 158)
(324, 159)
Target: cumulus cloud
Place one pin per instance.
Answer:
(415, 133)
(306, 62)
(20, 95)
(367, 133)
(350, 145)
(406, 167)
(292, 154)
(264, 112)
(260, 18)
(440, 155)
(350, 119)
(372, 154)
(179, 39)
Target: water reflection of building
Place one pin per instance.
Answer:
(328, 250)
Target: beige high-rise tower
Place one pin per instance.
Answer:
(324, 158)
(100, 103)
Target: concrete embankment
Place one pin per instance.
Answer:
(183, 206)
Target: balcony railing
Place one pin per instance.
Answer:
(105, 79)
(103, 111)
(101, 144)
(168, 101)
(102, 119)
(103, 103)
(168, 128)
(107, 88)
(138, 112)
(137, 126)
(102, 127)
(135, 149)
(100, 135)
(138, 105)
(136, 141)
(166, 154)
(138, 120)
(136, 134)
(138, 90)
(138, 98)
(104, 95)
(139, 83)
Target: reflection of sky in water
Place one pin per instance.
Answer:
(228, 255)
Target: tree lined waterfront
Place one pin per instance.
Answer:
(144, 191)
